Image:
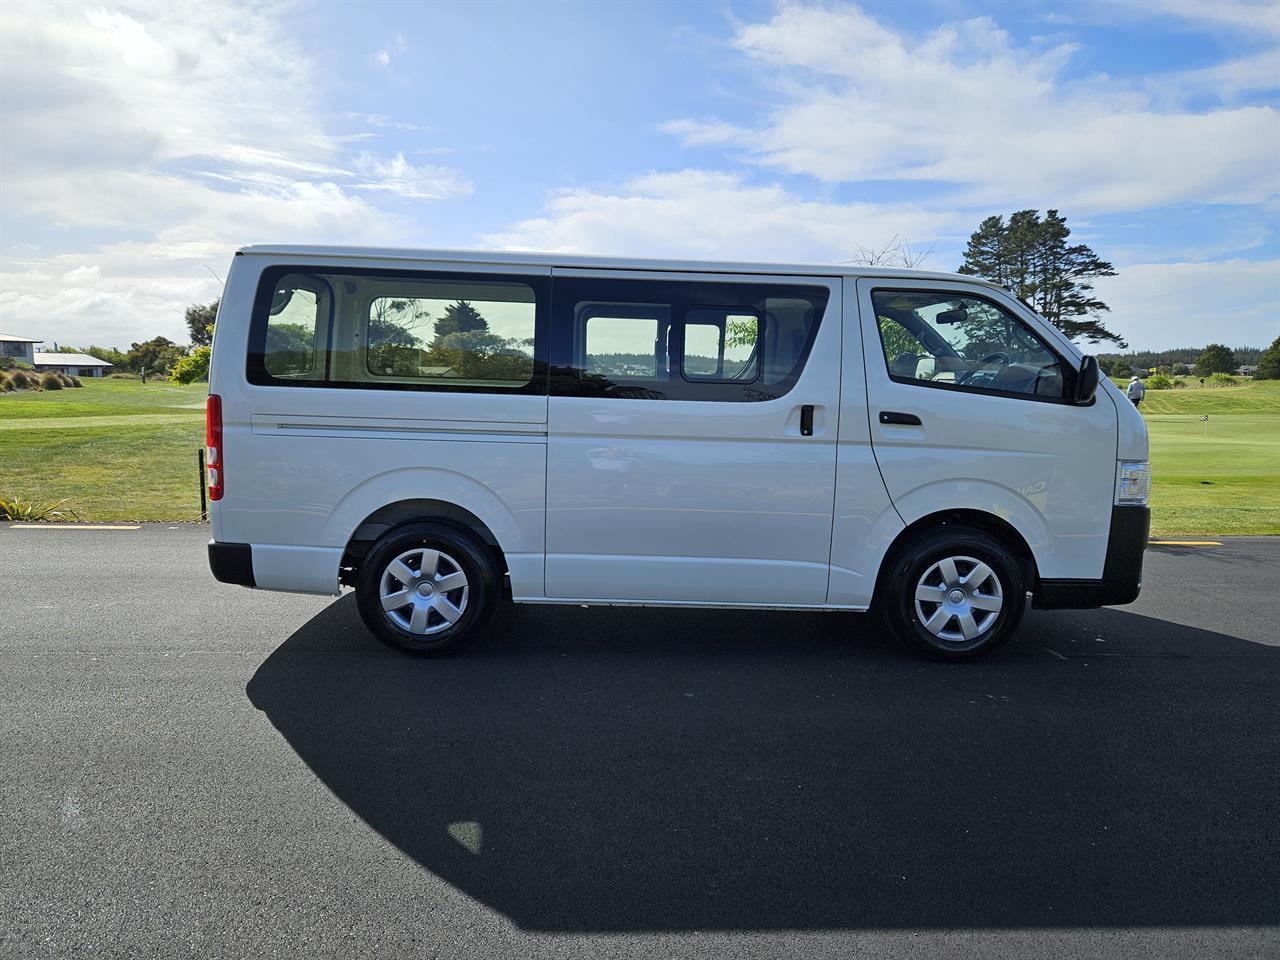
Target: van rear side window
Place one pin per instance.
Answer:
(381, 330)
(292, 326)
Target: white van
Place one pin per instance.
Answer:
(437, 430)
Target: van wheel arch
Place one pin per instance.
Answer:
(987, 523)
(402, 512)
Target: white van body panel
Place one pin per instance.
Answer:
(865, 522)
(696, 501)
(308, 465)
(1046, 468)
(1132, 442)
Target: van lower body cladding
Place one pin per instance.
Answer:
(1122, 575)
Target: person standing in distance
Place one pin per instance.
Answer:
(1135, 391)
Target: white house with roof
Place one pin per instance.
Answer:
(72, 364)
(18, 348)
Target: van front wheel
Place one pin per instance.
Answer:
(953, 593)
(426, 588)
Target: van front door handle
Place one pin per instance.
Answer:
(806, 420)
(904, 419)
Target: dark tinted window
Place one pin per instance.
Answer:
(640, 339)
(377, 329)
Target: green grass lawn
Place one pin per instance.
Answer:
(1225, 480)
(119, 450)
(114, 449)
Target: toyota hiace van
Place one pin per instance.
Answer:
(440, 431)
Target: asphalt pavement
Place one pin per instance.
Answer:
(194, 769)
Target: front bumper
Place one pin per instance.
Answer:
(1121, 573)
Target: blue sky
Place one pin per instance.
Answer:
(142, 143)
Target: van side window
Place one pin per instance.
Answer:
(625, 340)
(293, 326)
(944, 339)
(377, 329)
(449, 332)
(721, 343)
(681, 340)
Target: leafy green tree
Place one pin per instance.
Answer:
(459, 317)
(193, 367)
(1032, 257)
(290, 349)
(158, 355)
(1269, 362)
(392, 322)
(200, 318)
(1215, 359)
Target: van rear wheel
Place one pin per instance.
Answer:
(427, 588)
(953, 593)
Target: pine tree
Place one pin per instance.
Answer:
(1269, 362)
(982, 255)
(1032, 258)
(459, 317)
(1216, 359)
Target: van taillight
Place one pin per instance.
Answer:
(213, 445)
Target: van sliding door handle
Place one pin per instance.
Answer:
(806, 420)
(905, 419)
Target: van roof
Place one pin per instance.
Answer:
(512, 258)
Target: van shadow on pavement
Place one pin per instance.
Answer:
(625, 769)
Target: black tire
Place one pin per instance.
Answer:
(907, 570)
(460, 552)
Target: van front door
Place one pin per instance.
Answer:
(691, 437)
(970, 408)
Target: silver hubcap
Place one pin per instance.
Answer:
(424, 591)
(958, 599)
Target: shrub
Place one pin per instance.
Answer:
(1179, 384)
(22, 380)
(65, 380)
(194, 366)
(51, 381)
(123, 376)
(6, 385)
(15, 508)
(1222, 379)
(75, 382)
(7, 363)
(1181, 370)
(1160, 381)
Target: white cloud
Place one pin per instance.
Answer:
(1258, 17)
(998, 124)
(382, 120)
(1157, 305)
(397, 175)
(190, 130)
(382, 57)
(710, 215)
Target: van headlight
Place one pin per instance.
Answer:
(1133, 485)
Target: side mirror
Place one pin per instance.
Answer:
(1087, 380)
